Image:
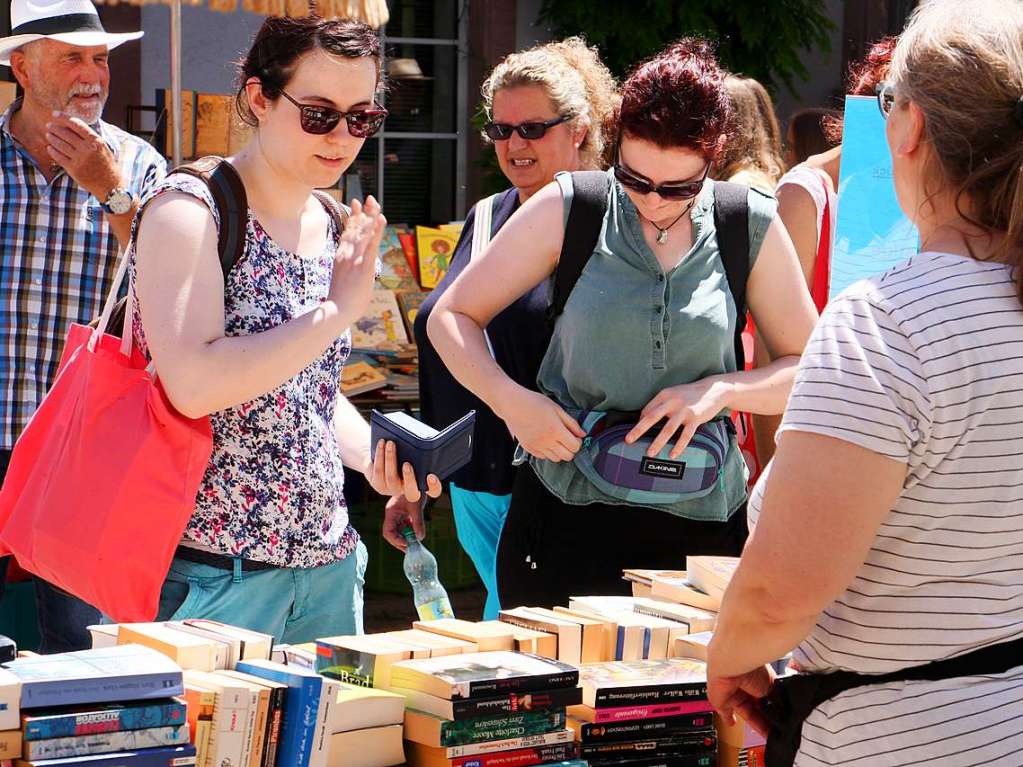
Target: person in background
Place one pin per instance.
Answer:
(896, 559)
(808, 135)
(270, 546)
(547, 109)
(752, 153)
(70, 185)
(808, 206)
(649, 330)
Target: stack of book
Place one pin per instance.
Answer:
(487, 709)
(366, 729)
(702, 584)
(109, 706)
(639, 628)
(642, 713)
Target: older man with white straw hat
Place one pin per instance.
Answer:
(69, 187)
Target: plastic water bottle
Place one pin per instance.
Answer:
(421, 570)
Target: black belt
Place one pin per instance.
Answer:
(221, 561)
(793, 698)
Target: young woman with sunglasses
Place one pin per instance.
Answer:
(547, 109)
(649, 327)
(270, 545)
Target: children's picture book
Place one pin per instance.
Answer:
(410, 301)
(395, 274)
(382, 326)
(408, 244)
(436, 247)
(361, 377)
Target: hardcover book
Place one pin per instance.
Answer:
(395, 273)
(434, 731)
(41, 724)
(607, 685)
(107, 675)
(381, 327)
(483, 674)
(509, 703)
(435, 248)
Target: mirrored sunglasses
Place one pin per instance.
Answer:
(319, 120)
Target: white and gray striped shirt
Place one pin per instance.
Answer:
(923, 364)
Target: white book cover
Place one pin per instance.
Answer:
(324, 714)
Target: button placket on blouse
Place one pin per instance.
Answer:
(658, 321)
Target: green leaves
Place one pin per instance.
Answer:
(755, 38)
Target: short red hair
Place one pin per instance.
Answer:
(678, 99)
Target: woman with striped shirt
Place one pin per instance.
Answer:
(898, 561)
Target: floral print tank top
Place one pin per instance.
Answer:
(273, 491)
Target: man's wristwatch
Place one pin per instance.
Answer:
(118, 202)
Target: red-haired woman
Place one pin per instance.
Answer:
(647, 330)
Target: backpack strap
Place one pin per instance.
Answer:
(337, 213)
(228, 193)
(585, 220)
(731, 221)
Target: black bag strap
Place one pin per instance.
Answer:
(731, 222)
(232, 203)
(585, 219)
(337, 214)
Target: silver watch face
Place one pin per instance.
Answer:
(119, 202)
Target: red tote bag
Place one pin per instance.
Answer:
(103, 480)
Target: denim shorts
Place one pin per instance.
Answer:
(295, 605)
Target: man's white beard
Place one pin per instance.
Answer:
(88, 114)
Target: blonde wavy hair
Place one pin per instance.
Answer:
(755, 144)
(576, 81)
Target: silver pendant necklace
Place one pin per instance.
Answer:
(662, 234)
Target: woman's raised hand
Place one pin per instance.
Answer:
(355, 260)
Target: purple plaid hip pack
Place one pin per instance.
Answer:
(625, 471)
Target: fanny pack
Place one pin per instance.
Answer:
(625, 471)
(793, 698)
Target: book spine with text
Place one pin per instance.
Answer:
(612, 697)
(106, 742)
(77, 723)
(627, 713)
(522, 757)
(639, 749)
(511, 744)
(514, 702)
(489, 728)
(110, 689)
(642, 729)
(173, 756)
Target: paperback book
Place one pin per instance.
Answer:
(608, 685)
(509, 703)
(483, 674)
(433, 731)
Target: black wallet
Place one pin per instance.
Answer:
(428, 450)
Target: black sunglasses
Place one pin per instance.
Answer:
(528, 131)
(674, 190)
(318, 120)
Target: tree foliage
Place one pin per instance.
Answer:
(757, 38)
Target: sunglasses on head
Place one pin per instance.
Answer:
(318, 120)
(528, 131)
(673, 190)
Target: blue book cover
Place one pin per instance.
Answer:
(105, 675)
(43, 724)
(301, 704)
(177, 756)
